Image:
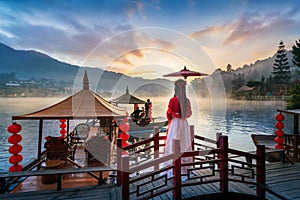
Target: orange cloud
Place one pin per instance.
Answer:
(137, 53)
(124, 61)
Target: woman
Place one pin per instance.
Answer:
(179, 109)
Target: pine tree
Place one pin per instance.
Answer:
(296, 53)
(281, 68)
(294, 102)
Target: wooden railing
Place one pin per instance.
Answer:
(214, 156)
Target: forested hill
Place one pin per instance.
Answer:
(31, 64)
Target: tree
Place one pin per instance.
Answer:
(296, 53)
(281, 68)
(294, 102)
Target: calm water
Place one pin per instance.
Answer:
(237, 119)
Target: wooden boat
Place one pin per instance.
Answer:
(140, 120)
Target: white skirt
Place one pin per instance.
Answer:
(178, 129)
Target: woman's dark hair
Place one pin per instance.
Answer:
(180, 92)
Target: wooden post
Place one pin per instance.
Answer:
(59, 182)
(223, 142)
(119, 156)
(176, 169)
(3, 187)
(156, 146)
(296, 128)
(261, 170)
(125, 177)
(192, 135)
(217, 139)
(40, 140)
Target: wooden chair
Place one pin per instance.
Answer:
(80, 133)
(98, 150)
(58, 149)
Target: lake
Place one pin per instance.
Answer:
(236, 118)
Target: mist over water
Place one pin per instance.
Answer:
(237, 119)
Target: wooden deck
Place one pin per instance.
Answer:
(282, 178)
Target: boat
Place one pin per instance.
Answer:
(141, 121)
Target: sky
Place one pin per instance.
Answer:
(148, 38)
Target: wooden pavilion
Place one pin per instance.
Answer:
(84, 104)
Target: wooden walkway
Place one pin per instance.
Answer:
(284, 179)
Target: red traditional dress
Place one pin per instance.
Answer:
(178, 129)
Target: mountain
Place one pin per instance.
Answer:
(33, 64)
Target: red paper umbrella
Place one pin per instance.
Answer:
(185, 73)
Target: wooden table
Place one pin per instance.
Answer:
(296, 114)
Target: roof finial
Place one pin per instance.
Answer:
(85, 81)
(127, 90)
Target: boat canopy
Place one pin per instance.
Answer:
(84, 104)
(127, 98)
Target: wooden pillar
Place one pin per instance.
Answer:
(119, 157)
(192, 135)
(176, 169)
(68, 131)
(125, 177)
(3, 187)
(223, 142)
(39, 155)
(296, 129)
(156, 146)
(261, 170)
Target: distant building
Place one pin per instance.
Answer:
(12, 84)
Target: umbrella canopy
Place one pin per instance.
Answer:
(185, 73)
(85, 104)
(127, 98)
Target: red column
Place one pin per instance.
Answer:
(223, 143)
(261, 170)
(156, 146)
(119, 160)
(125, 177)
(176, 169)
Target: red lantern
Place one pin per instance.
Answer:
(279, 140)
(63, 131)
(62, 126)
(279, 146)
(124, 136)
(279, 117)
(62, 120)
(124, 144)
(15, 159)
(15, 149)
(279, 133)
(14, 139)
(124, 127)
(15, 168)
(14, 128)
(279, 125)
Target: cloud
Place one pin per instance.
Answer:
(123, 61)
